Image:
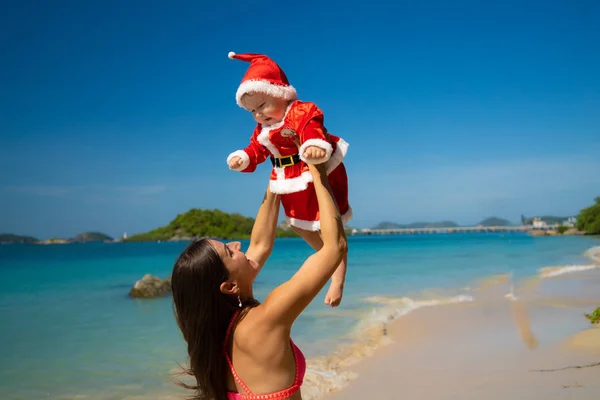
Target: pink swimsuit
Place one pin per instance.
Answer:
(280, 395)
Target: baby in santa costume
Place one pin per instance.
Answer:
(291, 134)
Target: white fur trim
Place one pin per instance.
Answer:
(348, 216)
(338, 155)
(241, 154)
(290, 185)
(231, 54)
(281, 92)
(316, 225)
(279, 172)
(318, 143)
(264, 139)
(303, 224)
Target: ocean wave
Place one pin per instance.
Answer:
(395, 307)
(551, 272)
(593, 254)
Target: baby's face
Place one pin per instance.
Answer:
(265, 109)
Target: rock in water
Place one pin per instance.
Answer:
(151, 286)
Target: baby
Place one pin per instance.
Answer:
(291, 133)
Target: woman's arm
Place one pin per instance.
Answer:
(287, 301)
(264, 230)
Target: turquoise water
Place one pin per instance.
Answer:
(68, 329)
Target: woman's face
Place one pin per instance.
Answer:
(242, 271)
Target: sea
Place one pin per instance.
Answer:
(69, 330)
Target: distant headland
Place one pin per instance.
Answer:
(193, 224)
(491, 221)
(587, 222)
(538, 226)
(197, 223)
(86, 237)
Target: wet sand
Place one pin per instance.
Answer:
(491, 348)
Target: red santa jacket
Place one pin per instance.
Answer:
(305, 121)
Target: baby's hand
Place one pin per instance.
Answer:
(235, 162)
(314, 153)
(334, 294)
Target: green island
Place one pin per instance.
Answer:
(198, 223)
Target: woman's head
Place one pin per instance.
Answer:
(241, 271)
(212, 272)
(209, 280)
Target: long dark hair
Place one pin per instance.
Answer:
(203, 314)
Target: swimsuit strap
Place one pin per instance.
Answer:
(300, 364)
(235, 375)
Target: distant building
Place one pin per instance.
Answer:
(570, 222)
(539, 224)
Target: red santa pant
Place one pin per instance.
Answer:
(302, 208)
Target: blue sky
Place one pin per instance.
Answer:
(116, 116)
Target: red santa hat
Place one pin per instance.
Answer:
(263, 76)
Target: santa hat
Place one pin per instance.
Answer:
(263, 76)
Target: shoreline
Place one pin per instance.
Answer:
(509, 328)
(284, 235)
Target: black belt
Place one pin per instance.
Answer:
(285, 161)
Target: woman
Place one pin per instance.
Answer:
(238, 348)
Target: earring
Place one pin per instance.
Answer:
(239, 301)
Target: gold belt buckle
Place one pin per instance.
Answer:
(288, 158)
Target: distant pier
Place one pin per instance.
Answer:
(459, 229)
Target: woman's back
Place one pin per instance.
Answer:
(264, 363)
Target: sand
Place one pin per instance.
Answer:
(493, 348)
(587, 340)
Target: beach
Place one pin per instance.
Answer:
(535, 347)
